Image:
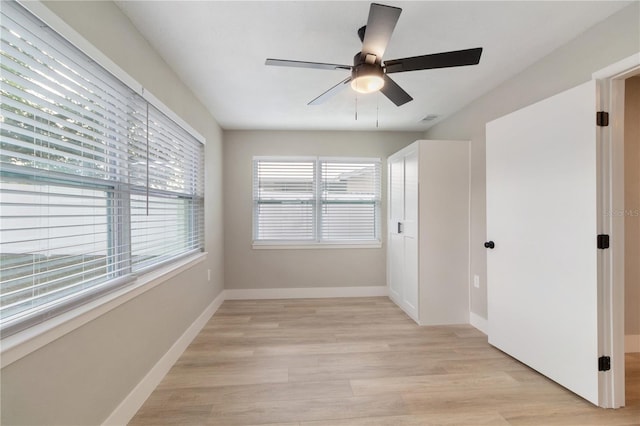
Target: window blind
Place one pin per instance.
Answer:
(316, 200)
(79, 153)
(350, 200)
(284, 200)
(167, 198)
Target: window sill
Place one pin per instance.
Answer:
(314, 246)
(30, 340)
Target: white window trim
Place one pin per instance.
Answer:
(22, 343)
(314, 245)
(285, 245)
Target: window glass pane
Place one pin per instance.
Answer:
(347, 221)
(350, 180)
(285, 180)
(55, 240)
(285, 221)
(162, 230)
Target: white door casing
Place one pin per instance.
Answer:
(611, 96)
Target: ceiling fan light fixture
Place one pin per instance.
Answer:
(367, 78)
(367, 84)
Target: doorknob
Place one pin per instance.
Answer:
(489, 244)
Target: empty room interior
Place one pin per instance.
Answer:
(213, 213)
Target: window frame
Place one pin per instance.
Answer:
(116, 291)
(317, 242)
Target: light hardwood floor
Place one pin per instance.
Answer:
(358, 361)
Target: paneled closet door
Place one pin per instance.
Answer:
(395, 252)
(410, 234)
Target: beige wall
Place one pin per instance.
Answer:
(613, 39)
(249, 268)
(80, 378)
(444, 232)
(632, 205)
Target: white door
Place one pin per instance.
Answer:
(410, 234)
(402, 254)
(542, 217)
(395, 252)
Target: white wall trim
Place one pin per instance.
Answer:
(125, 411)
(478, 322)
(632, 343)
(304, 293)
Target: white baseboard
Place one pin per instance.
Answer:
(304, 293)
(632, 343)
(478, 322)
(132, 403)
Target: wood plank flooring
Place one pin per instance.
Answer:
(357, 362)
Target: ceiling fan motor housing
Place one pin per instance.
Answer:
(367, 69)
(361, 67)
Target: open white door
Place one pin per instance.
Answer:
(542, 217)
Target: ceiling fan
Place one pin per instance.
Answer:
(369, 73)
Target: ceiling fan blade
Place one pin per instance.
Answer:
(331, 92)
(456, 58)
(302, 64)
(395, 93)
(382, 20)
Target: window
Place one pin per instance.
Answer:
(316, 200)
(96, 184)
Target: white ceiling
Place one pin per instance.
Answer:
(218, 49)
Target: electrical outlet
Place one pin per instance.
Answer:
(476, 281)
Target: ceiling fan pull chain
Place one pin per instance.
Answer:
(377, 108)
(356, 107)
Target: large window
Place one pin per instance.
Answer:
(316, 200)
(96, 184)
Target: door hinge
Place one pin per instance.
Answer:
(602, 118)
(604, 363)
(603, 241)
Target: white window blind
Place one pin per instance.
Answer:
(316, 200)
(350, 200)
(95, 183)
(284, 194)
(167, 194)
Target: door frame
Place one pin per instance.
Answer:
(610, 98)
